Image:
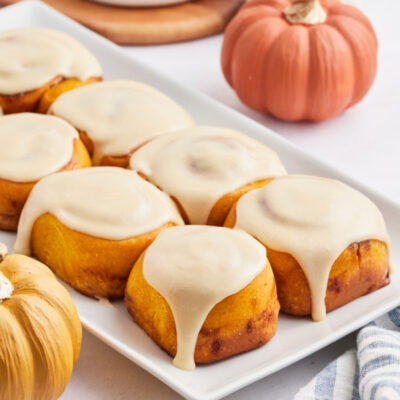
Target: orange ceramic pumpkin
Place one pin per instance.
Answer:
(300, 59)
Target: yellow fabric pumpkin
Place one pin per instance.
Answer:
(40, 331)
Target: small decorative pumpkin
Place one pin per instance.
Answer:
(300, 59)
(40, 332)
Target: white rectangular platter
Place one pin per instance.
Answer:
(295, 337)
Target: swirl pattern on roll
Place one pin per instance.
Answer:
(105, 202)
(119, 116)
(313, 219)
(33, 146)
(32, 57)
(199, 165)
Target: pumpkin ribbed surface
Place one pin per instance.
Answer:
(40, 332)
(299, 71)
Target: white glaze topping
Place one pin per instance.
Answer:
(199, 165)
(103, 301)
(31, 57)
(314, 220)
(196, 267)
(33, 146)
(119, 116)
(105, 202)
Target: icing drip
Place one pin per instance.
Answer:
(103, 301)
(313, 219)
(119, 116)
(106, 202)
(199, 165)
(196, 267)
(31, 57)
(33, 146)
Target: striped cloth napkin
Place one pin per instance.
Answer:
(370, 372)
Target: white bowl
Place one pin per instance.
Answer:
(140, 3)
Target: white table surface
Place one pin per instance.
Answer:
(364, 142)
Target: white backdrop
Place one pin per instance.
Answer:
(364, 142)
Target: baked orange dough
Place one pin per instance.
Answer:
(96, 267)
(241, 322)
(66, 85)
(26, 101)
(221, 208)
(13, 195)
(106, 160)
(360, 269)
(41, 98)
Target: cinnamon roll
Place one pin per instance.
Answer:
(90, 226)
(33, 146)
(327, 243)
(204, 293)
(206, 169)
(34, 60)
(116, 117)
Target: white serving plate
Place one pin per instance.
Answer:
(140, 3)
(296, 337)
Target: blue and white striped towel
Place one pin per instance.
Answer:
(370, 372)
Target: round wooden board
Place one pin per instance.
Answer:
(122, 25)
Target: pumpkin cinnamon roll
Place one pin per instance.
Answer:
(204, 293)
(33, 146)
(206, 169)
(34, 61)
(326, 242)
(116, 117)
(90, 226)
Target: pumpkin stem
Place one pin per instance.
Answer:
(6, 287)
(305, 12)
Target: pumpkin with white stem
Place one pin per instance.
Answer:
(300, 59)
(40, 331)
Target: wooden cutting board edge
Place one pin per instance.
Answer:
(146, 26)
